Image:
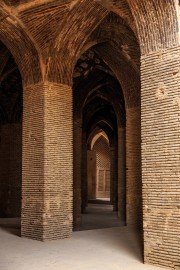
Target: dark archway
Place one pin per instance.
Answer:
(10, 136)
(98, 103)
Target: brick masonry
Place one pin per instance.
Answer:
(47, 162)
(49, 52)
(161, 157)
(122, 174)
(133, 167)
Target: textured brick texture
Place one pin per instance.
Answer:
(46, 38)
(77, 153)
(102, 149)
(133, 167)
(47, 162)
(114, 175)
(161, 157)
(122, 174)
(10, 170)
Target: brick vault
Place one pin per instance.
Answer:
(73, 69)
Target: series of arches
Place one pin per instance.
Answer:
(139, 41)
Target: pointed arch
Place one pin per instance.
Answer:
(66, 48)
(24, 51)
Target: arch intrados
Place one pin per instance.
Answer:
(140, 11)
(97, 117)
(97, 48)
(124, 13)
(104, 96)
(115, 104)
(97, 137)
(101, 125)
(97, 129)
(5, 44)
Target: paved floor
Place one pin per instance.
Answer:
(116, 248)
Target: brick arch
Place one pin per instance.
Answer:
(161, 32)
(121, 53)
(115, 103)
(98, 176)
(114, 30)
(122, 9)
(125, 73)
(66, 48)
(101, 124)
(151, 22)
(14, 36)
(96, 135)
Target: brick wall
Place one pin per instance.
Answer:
(161, 157)
(10, 170)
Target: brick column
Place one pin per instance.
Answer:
(77, 150)
(84, 173)
(122, 174)
(91, 174)
(113, 174)
(47, 162)
(133, 167)
(161, 157)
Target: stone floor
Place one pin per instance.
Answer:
(115, 248)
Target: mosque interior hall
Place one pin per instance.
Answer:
(89, 134)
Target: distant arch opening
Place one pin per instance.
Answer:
(98, 168)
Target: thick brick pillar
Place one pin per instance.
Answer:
(47, 162)
(133, 167)
(77, 151)
(122, 174)
(160, 75)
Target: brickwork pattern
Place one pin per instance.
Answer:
(133, 167)
(122, 174)
(161, 157)
(47, 162)
(27, 28)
